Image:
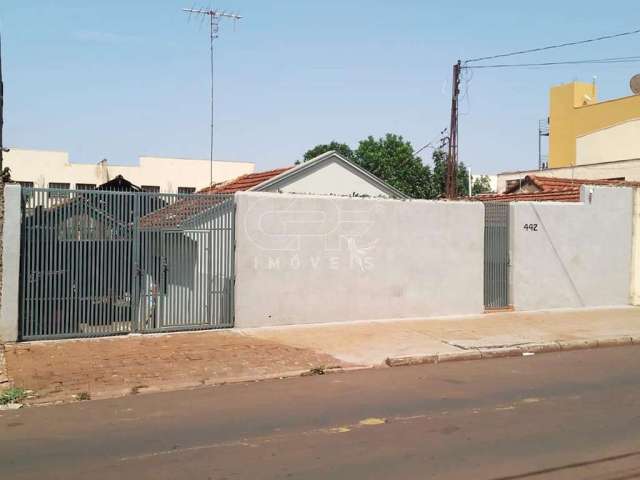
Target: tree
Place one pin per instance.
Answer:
(341, 148)
(481, 185)
(440, 175)
(391, 159)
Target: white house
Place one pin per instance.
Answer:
(327, 174)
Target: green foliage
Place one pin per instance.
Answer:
(439, 158)
(341, 148)
(12, 395)
(481, 185)
(391, 159)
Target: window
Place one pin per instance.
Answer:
(59, 186)
(86, 186)
(150, 188)
(186, 190)
(27, 185)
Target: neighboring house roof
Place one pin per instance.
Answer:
(187, 212)
(538, 183)
(244, 182)
(194, 208)
(273, 179)
(536, 188)
(119, 184)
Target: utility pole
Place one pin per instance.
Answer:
(452, 157)
(214, 21)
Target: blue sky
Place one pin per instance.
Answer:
(120, 79)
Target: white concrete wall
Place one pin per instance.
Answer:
(635, 250)
(10, 265)
(332, 178)
(579, 255)
(43, 167)
(618, 142)
(312, 259)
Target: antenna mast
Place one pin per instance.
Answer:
(214, 21)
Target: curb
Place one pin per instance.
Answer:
(522, 350)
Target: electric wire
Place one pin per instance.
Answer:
(632, 59)
(559, 45)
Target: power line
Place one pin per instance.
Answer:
(559, 45)
(632, 59)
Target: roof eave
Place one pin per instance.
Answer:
(273, 182)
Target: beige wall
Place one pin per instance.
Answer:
(43, 167)
(618, 142)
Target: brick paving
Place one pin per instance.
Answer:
(108, 367)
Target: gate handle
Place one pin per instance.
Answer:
(165, 277)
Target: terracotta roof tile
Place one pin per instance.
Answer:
(547, 184)
(188, 208)
(244, 182)
(183, 211)
(551, 189)
(566, 195)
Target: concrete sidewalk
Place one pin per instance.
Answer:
(371, 343)
(101, 368)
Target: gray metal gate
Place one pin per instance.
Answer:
(97, 263)
(496, 255)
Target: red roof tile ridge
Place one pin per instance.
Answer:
(245, 182)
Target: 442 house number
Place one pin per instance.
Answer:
(530, 227)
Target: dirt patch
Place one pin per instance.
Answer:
(63, 370)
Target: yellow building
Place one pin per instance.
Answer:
(584, 131)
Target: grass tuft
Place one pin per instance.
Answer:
(12, 395)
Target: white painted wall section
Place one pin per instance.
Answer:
(618, 142)
(9, 309)
(335, 178)
(579, 255)
(44, 167)
(635, 250)
(312, 259)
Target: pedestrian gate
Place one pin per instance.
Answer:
(496, 255)
(97, 263)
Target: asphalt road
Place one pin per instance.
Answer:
(573, 415)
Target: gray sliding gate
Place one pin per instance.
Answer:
(97, 263)
(496, 255)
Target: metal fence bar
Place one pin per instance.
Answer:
(96, 263)
(496, 255)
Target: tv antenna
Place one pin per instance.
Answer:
(214, 27)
